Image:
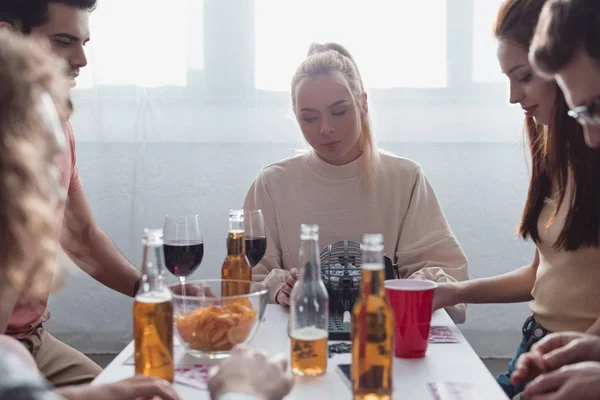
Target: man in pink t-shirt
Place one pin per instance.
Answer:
(65, 23)
(29, 314)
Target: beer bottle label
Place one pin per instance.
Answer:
(376, 327)
(303, 351)
(372, 378)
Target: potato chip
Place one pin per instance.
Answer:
(215, 328)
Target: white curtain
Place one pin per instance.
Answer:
(184, 101)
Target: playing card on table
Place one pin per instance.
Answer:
(441, 334)
(453, 391)
(192, 375)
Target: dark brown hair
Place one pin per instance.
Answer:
(28, 14)
(558, 151)
(565, 27)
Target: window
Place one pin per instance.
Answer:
(144, 43)
(399, 43)
(485, 63)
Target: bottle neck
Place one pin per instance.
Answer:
(236, 243)
(310, 264)
(373, 273)
(153, 268)
(372, 282)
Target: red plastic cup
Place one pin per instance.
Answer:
(412, 302)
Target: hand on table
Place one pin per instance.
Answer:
(138, 387)
(251, 372)
(555, 351)
(578, 381)
(283, 296)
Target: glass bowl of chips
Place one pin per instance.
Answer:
(212, 316)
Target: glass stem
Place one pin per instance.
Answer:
(182, 280)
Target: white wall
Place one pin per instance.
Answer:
(481, 187)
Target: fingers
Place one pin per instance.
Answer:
(290, 282)
(280, 360)
(521, 371)
(258, 354)
(546, 383)
(573, 352)
(283, 298)
(286, 288)
(147, 387)
(545, 396)
(291, 279)
(555, 341)
(528, 366)
(287, 382)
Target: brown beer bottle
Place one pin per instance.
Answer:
(372, 328)
(236, 265)
(153, 314)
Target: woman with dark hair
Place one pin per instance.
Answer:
(562, 210)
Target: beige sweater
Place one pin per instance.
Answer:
(566, 293)
(401, 205)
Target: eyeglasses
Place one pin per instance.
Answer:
(587, 114)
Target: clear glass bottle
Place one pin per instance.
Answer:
(309, 310)
(153, 313)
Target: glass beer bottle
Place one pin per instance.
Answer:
(153, 314)
(372, 328)
(236, 265)
(309, 310)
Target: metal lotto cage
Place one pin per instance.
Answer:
(341, 273)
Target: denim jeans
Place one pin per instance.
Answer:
(532, 333)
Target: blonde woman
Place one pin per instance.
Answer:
(347, 185)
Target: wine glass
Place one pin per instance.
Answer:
(183, 246)
(256, 237)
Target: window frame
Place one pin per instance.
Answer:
(234, 85)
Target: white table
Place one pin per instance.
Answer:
(445, 362)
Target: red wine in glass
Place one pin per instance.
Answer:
(256, 236)
(183, 246)
(255, 249)
(183, 257)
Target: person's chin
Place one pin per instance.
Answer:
(541, 120)
(73, 82)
